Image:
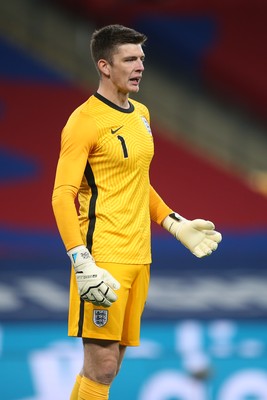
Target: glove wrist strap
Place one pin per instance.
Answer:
(76, 249)
(77, 253)
(172, 223)
(177, 217)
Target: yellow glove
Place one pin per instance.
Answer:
(198, 235)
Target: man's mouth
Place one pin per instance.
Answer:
(136, 80)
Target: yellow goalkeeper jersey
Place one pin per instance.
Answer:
(105, 157)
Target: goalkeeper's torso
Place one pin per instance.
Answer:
(114, 192)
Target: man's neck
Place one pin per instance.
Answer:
(118, 98)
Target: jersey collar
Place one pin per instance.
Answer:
(110, 104)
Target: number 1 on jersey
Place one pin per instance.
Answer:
(123, 145)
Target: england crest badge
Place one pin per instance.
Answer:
(145, 121)
(100, 317)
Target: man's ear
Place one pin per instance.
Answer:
(104, 67)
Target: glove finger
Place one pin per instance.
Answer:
(94, 302)
(96, 294)
(107, 293)
(111, 282)
(202, 250)
(90, 298)
(214, 235)
(98, 299)
(198, 253)
(110, 295)
(217, 237)
(103, 303)
(211, 244)
(202, 224)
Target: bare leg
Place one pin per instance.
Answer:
(102, 360)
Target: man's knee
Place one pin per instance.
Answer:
(104, 372)
(101, 360)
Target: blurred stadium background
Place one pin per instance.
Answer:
(204, 333)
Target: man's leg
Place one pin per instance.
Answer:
(102, 360)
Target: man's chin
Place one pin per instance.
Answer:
(134, 89)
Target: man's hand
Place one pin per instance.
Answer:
(197, 235)
(94, 284)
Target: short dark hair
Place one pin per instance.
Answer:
(105, 40)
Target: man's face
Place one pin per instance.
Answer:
(127, 67)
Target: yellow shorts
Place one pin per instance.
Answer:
(121, 321)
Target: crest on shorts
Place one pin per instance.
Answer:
(100, 317)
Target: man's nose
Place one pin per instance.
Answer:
(140, 65)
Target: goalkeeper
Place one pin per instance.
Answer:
(106, 150)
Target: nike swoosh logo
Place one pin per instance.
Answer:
(116, 130)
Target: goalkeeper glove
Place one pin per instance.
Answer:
(197, 235)
(94, 284)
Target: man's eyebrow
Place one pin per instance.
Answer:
(133, 57)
